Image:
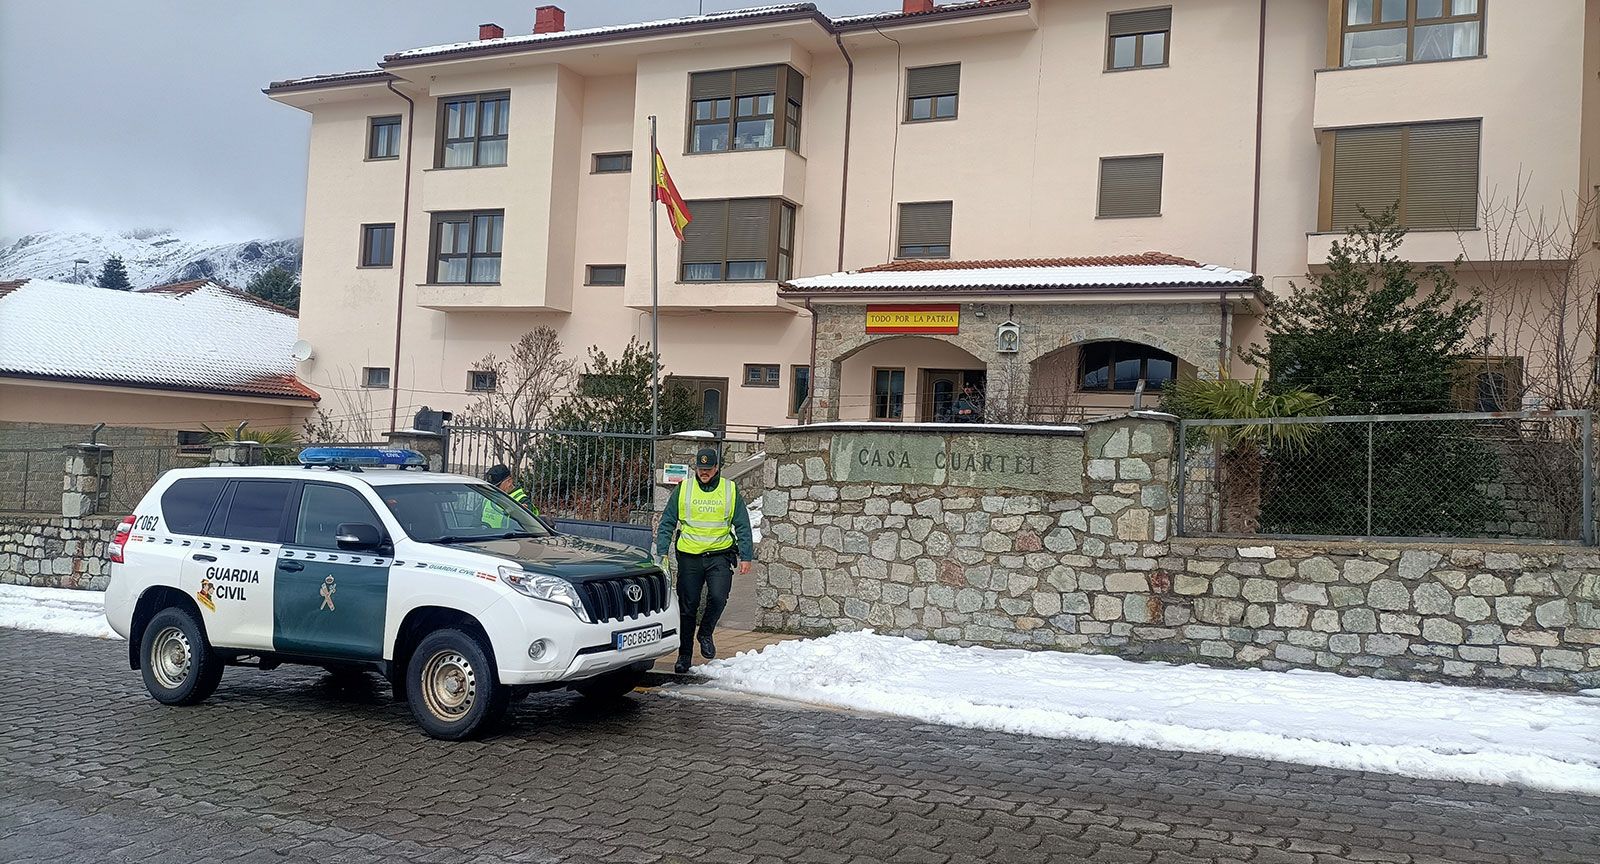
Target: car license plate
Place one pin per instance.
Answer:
(634, 638)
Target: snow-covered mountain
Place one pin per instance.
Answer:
(152, 257)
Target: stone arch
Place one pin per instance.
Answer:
(1054, 380)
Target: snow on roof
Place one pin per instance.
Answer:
(196, 336)
(1146, 270)
(975, 6)
(360, 76)
(530, 40)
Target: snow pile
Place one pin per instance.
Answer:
(1547, 741)
(55, 610)
(152, 257)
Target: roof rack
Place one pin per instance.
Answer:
(356, 458)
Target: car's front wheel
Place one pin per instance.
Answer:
(178, 665)
(450, 683)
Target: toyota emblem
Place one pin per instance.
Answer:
(634, 592)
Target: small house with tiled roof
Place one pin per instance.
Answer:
(182, 356)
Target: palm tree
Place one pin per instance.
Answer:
(1242, 450)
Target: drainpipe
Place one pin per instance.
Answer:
(1261, 81)
(400, 293)
(1225, 342)
(809, 414)
(844, 181)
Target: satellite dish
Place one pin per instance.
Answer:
(301, 351)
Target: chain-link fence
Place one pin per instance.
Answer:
(1509, 476)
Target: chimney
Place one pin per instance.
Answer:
(549, 19)
(914, 7)
(490, 31)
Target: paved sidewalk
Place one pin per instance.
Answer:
(729, 642)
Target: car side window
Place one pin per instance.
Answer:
(187, 505)
(323, 509)
(255, 510)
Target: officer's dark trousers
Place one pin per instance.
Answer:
(711, 573)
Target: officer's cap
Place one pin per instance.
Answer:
(707, 458)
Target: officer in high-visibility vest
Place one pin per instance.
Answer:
(500, 477)
(712, 527)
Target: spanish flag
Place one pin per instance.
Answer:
(666, 193)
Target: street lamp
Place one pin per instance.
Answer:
(76, 264)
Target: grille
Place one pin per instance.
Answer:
(607, 599)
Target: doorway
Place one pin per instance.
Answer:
(939, 389)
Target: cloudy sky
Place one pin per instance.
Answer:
(123, 114)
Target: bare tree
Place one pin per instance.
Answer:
(528, 381)
(353, 420)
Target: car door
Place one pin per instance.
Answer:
(229, 571)
(328, 602)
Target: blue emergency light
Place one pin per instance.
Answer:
(361, 457)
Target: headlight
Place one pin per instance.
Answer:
(547, 588)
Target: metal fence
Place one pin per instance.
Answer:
(134, 469)
(1507, 475)
(603, 475)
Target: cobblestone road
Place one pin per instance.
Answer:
(287, 767)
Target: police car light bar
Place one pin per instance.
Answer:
(361, 457)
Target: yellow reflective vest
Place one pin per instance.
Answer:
(705, 518)
(494, 517)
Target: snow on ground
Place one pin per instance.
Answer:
(1545, 741)
(55, 610)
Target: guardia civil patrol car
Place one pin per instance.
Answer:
(459, 596)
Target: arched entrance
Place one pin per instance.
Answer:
(1099, 376)
(908, 379)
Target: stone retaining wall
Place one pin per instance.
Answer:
(55, 551)
(1085, 563)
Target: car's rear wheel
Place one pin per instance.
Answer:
(178, 664)
(611, 686)
(450, 683)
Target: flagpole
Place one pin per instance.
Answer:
(655, 334)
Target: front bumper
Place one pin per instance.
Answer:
(577, 650)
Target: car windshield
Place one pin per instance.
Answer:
(458, 513)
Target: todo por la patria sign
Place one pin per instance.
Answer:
(942, 457)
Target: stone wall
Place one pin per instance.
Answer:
(54, 551)
(1085, 563)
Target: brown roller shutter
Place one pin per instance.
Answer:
(797, 85)
(711, 85)
(925, 224)
(1441, 182)
(933, 81)
(705, 237)
(1130, 186)
(1366, 173)
(1143, 21)
(755, 81)
(749, 229)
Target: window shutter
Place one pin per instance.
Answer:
(711, 85)
(797, 85)
(1145, 21)
(705, 235)
(933, 81)
(1130, 186)
(1442, 176)
(1366, 173)
(925, 224)
(756, 81)
(749, 229)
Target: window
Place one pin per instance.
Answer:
(1138, 40)
(377, 245)
(383, 137)
(429, 512)
(1430, 170)
(187, 504)
(799, 388)
(1130, 186)
(323, 509)
(924, 230)
(474, 130)
(480, 381)
(931, 92)
(738, 240)
(255, 510)
(605, 274)
(738, 109)
(1121, 365)
(1488, 384)
(613, 163)
(888, 394)
(1378, 32)
(375, 376)
(466, 247)
(194, 442)
(762, 374)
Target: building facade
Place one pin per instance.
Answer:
(461, 195)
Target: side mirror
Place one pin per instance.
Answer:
(358, 537)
